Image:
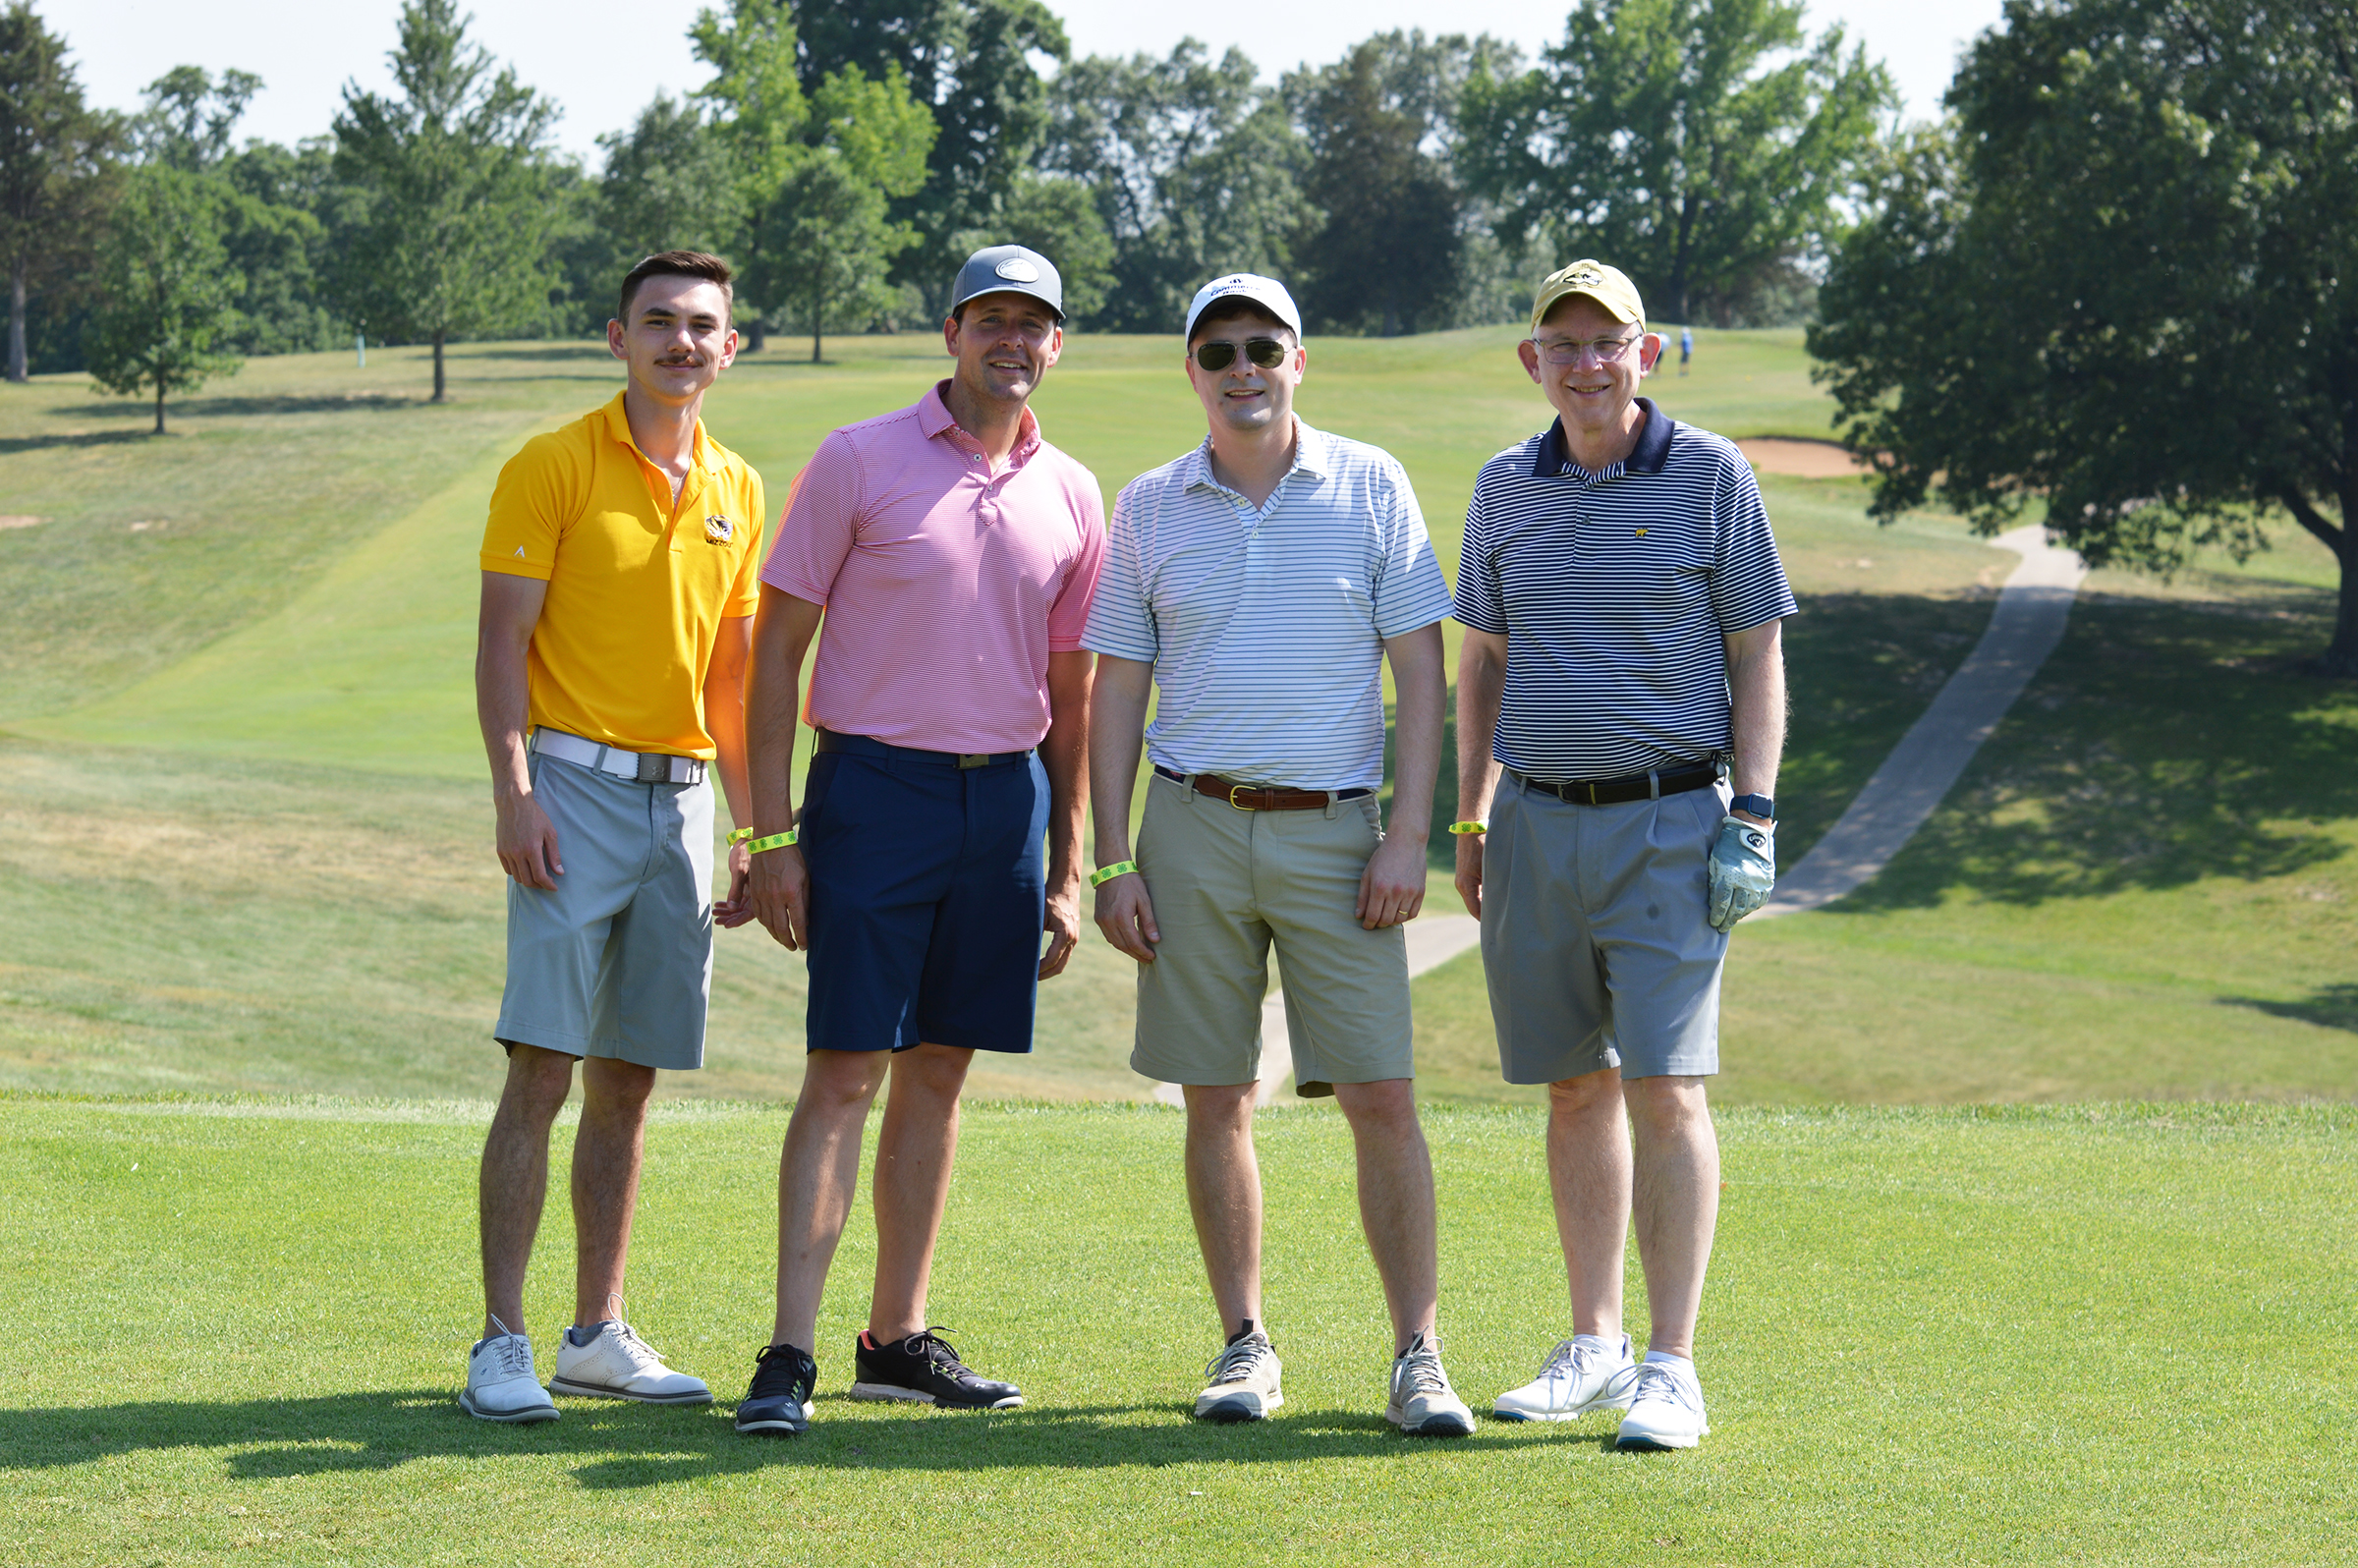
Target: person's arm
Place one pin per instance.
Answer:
(1117, 726)
(1064, 754)
(778, 885)
(1756, 688)
(526, 839)
(725, 721)
(1481, 682)
(1391, 891)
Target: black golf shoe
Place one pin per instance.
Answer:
(924, 1369)
(778, 1404)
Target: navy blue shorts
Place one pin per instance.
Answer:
(928, 893)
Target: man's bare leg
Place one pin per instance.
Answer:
(1589, 1177)
(818, 1169)
(513, 1184)
(1224, 1193)
(914, 1148)
(1677, 1202)
(1396, 1200)
(608, 1151)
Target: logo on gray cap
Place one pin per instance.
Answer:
(1017, 270)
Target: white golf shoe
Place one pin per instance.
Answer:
(501, 1384)
(1241, 1383)
(616, 1364)
(1668, 1409)
(1583, 1374)
(1423, 1404)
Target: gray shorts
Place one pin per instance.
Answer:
(618, 959)
(1225, 884)
(1595, 936)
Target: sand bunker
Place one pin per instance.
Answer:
(11, 521)
(1802, 460)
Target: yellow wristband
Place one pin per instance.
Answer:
(757, 845)
(1469, 828)
(1106, 873)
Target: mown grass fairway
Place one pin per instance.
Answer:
(2106, 1336)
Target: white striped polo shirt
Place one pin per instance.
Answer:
(1265, 626)
(1613, 591)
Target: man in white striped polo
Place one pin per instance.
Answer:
(1623, 595)
(1260, 581)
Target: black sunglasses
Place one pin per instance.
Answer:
(1267, 353)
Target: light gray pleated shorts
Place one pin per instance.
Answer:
(1595, 934)
(618, 961)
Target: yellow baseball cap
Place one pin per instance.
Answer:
(1607, 285)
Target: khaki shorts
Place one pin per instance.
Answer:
(1225, 884)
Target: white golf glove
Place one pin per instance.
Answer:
(1743, 870)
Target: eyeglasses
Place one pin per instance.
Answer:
(1267, 353)
(1570, 351)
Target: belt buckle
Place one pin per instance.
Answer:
(973, 760)
(1232, 794)
(653, 769)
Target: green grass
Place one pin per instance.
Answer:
(2105, 1335)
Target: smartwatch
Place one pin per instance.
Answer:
(1760, 806)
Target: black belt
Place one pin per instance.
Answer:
(1258, 797)
(1631, 787)
(866, 746)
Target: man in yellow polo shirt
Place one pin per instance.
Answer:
(618, 588)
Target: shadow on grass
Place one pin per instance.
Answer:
(2162, 743)
(42, 443)
(236, 408)
(623, 1447)
(2327, 1007)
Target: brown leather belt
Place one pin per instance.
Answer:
(1256, 796)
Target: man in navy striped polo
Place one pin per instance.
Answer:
(1260, 581)
(1621, 704)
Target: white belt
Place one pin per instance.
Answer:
(645, 767)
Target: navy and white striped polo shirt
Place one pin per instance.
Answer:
(1613, 591)
(1265, 626)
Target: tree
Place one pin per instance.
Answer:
(1194, 171)
(1388, 251)
(1664, 136)
(169, 290)
(668, 184)
(1057, 216)
(54, 156)
(190, 118)
(2120, 282)
(455, 174)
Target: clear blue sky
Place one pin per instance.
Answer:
(602, 59)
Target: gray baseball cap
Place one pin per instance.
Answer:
(1011, 269)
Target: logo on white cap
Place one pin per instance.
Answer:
(1014, 269)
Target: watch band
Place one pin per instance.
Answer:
(1760, 806)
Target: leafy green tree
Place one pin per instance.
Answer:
(54, 164)
(668, 185)
(1057, 216)
(1704, 147)
(281, 237)
(455, 171)
(189, 119)
(2118, 282)
(1195, 171)
(169, 299)
(1386, 253)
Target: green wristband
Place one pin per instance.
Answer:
(1106, 873)
(755, 846)
(1462, 828)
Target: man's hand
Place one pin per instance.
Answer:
(1469, 871)
(779, 886)
(1392, 888)
(1743, 870)
(528, 842)
(735, 909)
(1062, 922)
(1127, 915)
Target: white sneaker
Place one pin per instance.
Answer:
(1577, 1380)
(1423, 1404)
(501, 1384)
(1241, 1383)
(617, 1364)
(1667, 1412)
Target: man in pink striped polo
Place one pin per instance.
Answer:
(953, 555)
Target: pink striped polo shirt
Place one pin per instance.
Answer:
(947, 584)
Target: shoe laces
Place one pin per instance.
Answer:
(638, 1352)
(783, 1369)
(1657, 1380)
(940, 1352)
(1420, 1367)
(513, 1351)
(1238, 1362)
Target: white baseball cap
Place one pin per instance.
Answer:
(1268, 293)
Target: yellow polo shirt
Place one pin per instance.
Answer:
(637, 586)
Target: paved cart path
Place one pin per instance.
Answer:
(2024, 628)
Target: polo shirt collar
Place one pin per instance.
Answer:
(1647, 457)
(933, 418)
(1313, 454)
(704, 455)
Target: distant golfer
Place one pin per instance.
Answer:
(1686, 348)
(952, 553)
(618, 586)
(1622, 595)
(1260, 581)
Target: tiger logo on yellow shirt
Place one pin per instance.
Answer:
(719, 530)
